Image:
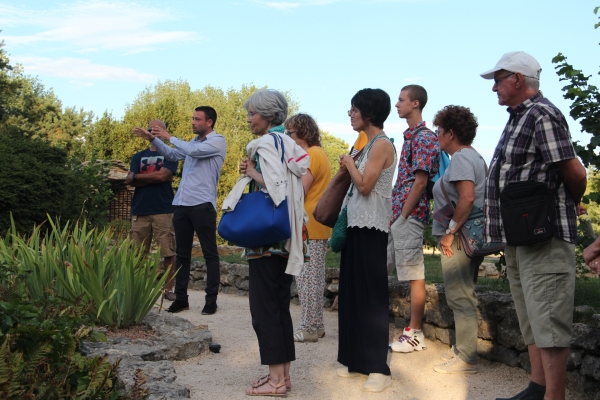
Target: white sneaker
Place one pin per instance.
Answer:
(409, 341)
(344, 373)
(449, 355)
(377, 383)
(456, 366)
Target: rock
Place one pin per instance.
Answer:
(159, 378)
(196, 275)
(487, 269)
(327, 302)
(446, 336)
(177, 339)
(510, 336)
(524, 361)
(197, 285)
(497, 352)
(575, 381)
(332, 273)
(243, 285)
(586, 337)
(575, 359)
(496, 306)
(333, 288)
(590, 367)
(485, 329)
(294, 289)
(441, 316)
(428, 330)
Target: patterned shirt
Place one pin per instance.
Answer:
(425, 157)
(535, 138)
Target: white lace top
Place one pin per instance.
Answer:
(375, 209)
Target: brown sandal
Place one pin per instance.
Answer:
(261, 381)
(274, 392)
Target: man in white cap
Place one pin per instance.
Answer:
(536, 146)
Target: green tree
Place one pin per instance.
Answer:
(585, 108)
(334, 148)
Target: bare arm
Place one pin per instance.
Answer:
(574, 177)
(381, 156)
(419, 185)
(307, 181)
(163, 175)
(466, 198)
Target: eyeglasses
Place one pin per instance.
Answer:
(251, 114)
(290, 133)
(497, 81)
(352, 111)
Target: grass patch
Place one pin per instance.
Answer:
(586, 292)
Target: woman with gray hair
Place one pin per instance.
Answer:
(275, 164)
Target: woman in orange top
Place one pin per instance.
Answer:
(311, 281)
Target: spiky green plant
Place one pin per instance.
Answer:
(73, 261)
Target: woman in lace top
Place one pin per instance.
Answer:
(363, 287)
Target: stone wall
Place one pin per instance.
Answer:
(499, 337)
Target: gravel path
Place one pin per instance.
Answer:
(225, 375)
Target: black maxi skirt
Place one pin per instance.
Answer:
(363, 302)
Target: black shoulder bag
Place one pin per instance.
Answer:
(527, 210)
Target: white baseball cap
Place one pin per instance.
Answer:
(516, 61)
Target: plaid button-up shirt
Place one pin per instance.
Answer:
(534, 139)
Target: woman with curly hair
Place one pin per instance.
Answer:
(464, 183)
(311, 281)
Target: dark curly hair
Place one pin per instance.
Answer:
(306, 129)
(374, 105)
(460, 119)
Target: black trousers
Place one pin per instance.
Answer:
(201, 219)
(363, 306)
(269, 295)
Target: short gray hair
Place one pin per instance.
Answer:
(269, 103)
(532, 83)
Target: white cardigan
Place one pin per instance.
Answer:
(280, 183)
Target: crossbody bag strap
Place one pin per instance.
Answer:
(421, 129)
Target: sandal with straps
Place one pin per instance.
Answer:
(262, 380)
(274, 392)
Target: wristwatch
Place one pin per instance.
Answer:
(449, 231)
(134, 176)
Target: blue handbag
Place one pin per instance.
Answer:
(256, 221)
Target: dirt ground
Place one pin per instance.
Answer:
(226, 374)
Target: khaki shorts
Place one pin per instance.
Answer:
(405, 249)
(143, 227)
(542, 284)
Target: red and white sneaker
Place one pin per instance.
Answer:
(409, 341)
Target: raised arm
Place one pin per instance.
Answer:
(381, 156)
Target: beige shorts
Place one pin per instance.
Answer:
(542, 284)
(143, 227)
(405, 249)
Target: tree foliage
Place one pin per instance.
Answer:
(38, 176)
(585, 106)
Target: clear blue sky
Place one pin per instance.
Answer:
(100, 54)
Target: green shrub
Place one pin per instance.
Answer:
(114, 275)
(37, 179)
(39, 343)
